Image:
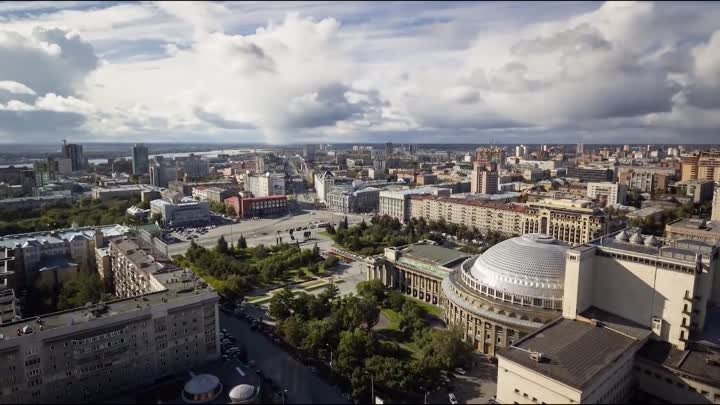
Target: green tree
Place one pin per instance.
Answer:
(83, 289)
(395, 301)
(354, 347)
(222, 246)
(281, 304)
(370, 312)
(242, 243)
(292, 329)
(373, 289)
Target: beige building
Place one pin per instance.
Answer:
(92, 353)
(397, 203)
(571, 221)
(639, 316)
(715, 216)
(702, 166)
(645, 179)
(694, 229)
(416, 270)
(606, 192)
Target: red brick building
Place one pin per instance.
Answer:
(258, 206)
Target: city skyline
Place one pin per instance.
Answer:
(276, 73)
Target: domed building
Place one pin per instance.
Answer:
(512, 289)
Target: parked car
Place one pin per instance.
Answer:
(452, 398)
(460, 371)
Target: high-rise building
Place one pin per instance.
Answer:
(519, 152)
(483, 181)
(265, 185)
(309, 152)
(702, 166)
(626, 148)
(607, 192)
(388, 148)
(487, 156)
(193, 167)
(716, 205)
(140, 161)
(413, 149)
(46, 172)
(259, 164)
(74, 152)
(161, 175)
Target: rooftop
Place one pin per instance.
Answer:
(475, 203)
(61, 235)
(695, 224)
(437, 255)
(177, 284)
(573, 352)
(703, 364)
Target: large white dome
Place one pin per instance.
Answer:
(532, 265)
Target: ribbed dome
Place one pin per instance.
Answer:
(530, 265)
(242, 393)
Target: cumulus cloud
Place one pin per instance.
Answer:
(340, 71)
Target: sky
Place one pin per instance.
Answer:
(421, 72)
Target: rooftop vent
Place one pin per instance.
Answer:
(536, 356)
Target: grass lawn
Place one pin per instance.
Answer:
(428, 308)
(393, 317)
(324, 234)
(311, 283)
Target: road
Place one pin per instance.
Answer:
(303, 386)
(264, 230)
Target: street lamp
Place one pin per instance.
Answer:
(283, 396)
(331, 353)
(372, 388)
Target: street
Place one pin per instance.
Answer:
(302, 386)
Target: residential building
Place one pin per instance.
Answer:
(95, 352)
(46, 172)
(258, 206)
(388, 148)
(74, 152)
(702, 166)
(416, 270)
(715, 216)
(140, 160)
(182, 214)
(29, 203)
(699, 190)
(533, 175)
(397, 203)
(424, 179)
(694, 229)
(162, 175)
(607, 192)
(309, 152)
(211, 194)
(483, 181)
(570, 221)
(35, 251)
(193, 167)
(327, 180)
(539, 164)
(492, 158)
(64, 166)
(265, 185)
(645, 179)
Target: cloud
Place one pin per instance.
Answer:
(284, 72)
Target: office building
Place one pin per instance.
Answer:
(588, 174)
(715, 216)
(580, 149)
(344, 199)
(211, 194)
(309, 152)
(396, 204)
(190, 213)
(161, 175)
(123, 192)
(416, 270)
(616, 340)
(606, 193)
(74, 152)
(140, 160)
(265, 185)
(64, 166)
(508, 292)
(388, 148)
(258, 206)
(483, 181)
(424, 179)
(96, 352)
(325, 181)
(702, 166)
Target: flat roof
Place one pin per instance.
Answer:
(438, 255)
(690, 362)
(573, 352)
(61, 235)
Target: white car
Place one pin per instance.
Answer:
(452, 398)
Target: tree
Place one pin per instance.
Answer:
(331, 261)
(281, 304)
(260, 252)
(302, 304)
(411, 318)
(316, 252)
(354, 347)
(222, 246)
(443, 349)
(292, 329)
(373, 289)
(230, 211)
(370, 312)
(395, 301)
(242, 243)
(85, 288)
